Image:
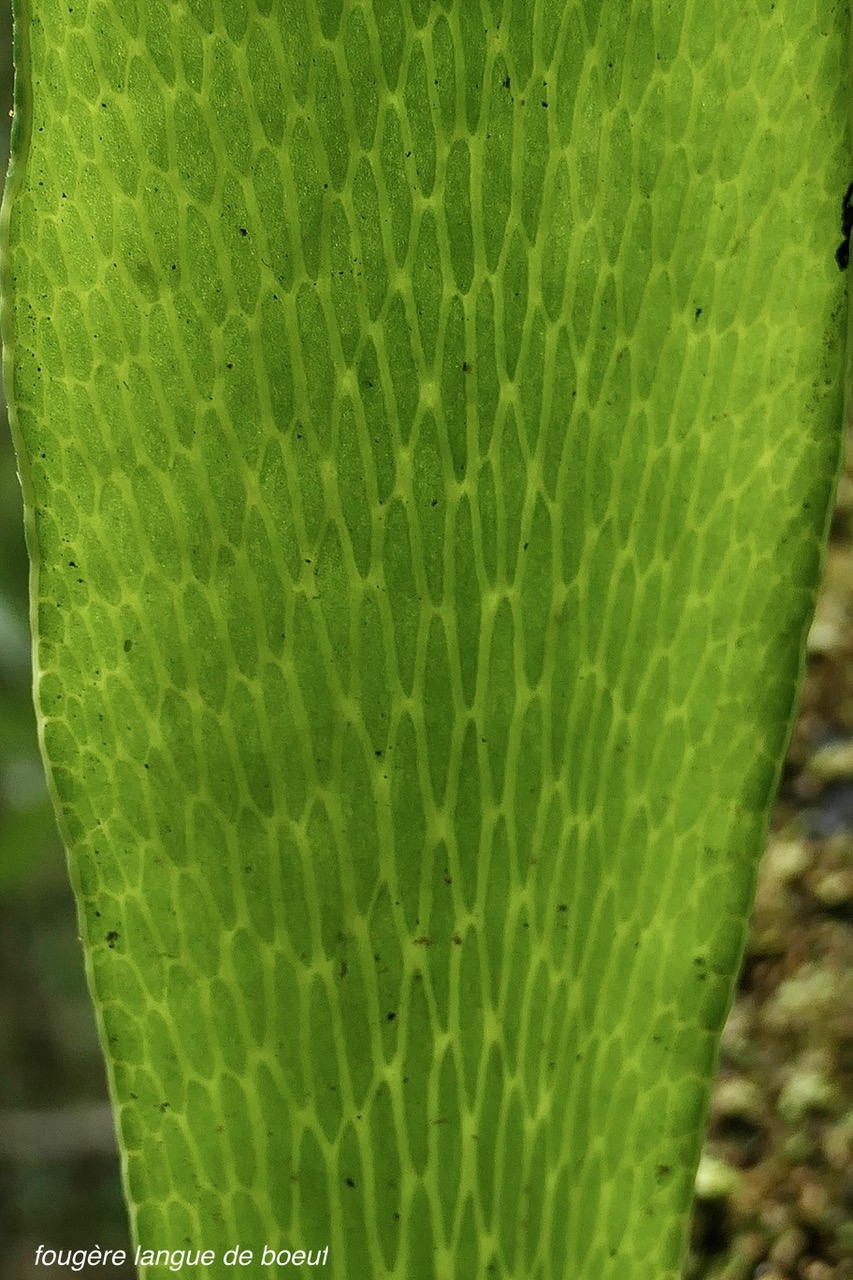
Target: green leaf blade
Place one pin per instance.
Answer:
(428, 424)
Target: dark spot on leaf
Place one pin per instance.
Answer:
(842, 253)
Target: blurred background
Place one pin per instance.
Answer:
(775, 1185)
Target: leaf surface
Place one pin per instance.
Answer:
(428, 419)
